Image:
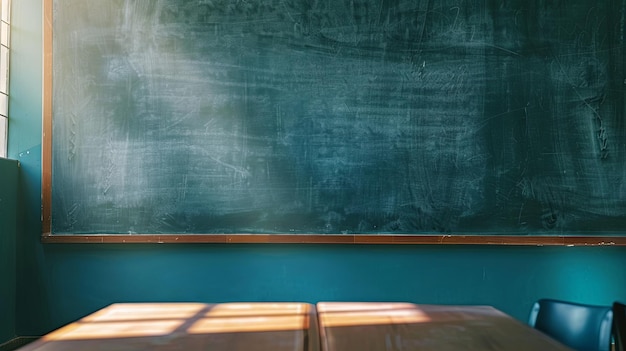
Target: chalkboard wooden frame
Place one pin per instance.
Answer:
(438, 239)
(505, 240)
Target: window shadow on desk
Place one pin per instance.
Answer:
(405, 326)
(196, 326)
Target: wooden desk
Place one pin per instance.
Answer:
(189, 326)
(404, 326)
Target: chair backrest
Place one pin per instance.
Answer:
(579, 326)
(619, 325)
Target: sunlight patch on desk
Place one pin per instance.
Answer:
(258, 309)
(172, 320)
(345, 315)
(253, 317)
(363, 306)
(131, 320)
(146, 311)
(250, 324)
(115, 330)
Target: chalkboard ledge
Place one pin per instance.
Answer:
(341, 239)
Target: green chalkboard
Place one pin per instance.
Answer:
(454, 117)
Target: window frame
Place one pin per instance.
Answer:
(5, 52)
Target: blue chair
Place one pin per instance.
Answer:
(619, 326)
(579, 326)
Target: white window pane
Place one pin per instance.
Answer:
(4, 70)
(5, 10)
(3, 136)
(4, 105)
(4, 33)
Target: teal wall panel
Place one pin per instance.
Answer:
(8, 231)
(78, 279)
(60, 283)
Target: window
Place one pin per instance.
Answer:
(5, 11)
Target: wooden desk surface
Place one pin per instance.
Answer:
(405, 326)
(189, 326)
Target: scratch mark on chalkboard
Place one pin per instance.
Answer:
(456, 17)
(503, 49)
(310, 195)
(487, 119)
(110, 166)
(192, 112)
(380, 11)
(72, 214)
(72, 140)
(423, 21)
(602, 138)
(182, 193)
(209, 125)
(239, 170)
(279, 123)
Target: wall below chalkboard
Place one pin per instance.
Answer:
(363, 117)
(8, 238)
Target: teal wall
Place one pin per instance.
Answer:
(8, 230)
(59, 283)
